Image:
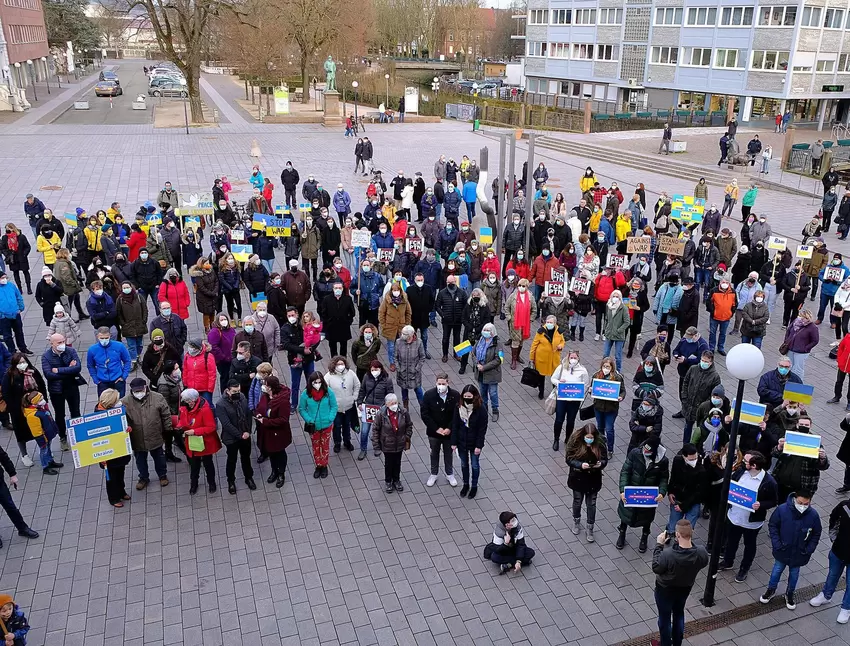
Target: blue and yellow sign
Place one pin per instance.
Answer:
(98, 436)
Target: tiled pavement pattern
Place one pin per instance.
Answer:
(338, 561)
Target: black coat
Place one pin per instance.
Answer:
(437, 412)
(255, 278)
(337, 315)
(688, 310)
(587, 480)
(16, 259)
(687, 484)
(289, 179)
(450, 306)
(422, 302)
(147, 275)
(470, 437)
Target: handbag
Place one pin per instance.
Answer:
(310, 427)
(551, 403)
(786, 345)
(530, 377)
(587, 412)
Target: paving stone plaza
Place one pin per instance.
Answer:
(337, 560)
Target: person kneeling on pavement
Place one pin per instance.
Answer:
(508, 547)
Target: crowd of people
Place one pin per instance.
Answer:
(352, 319)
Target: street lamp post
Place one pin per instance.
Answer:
(387, 78)
(46, 73)
(355, 84)
(744, 362)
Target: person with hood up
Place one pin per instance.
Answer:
(712, 423)
(647, 417)
(645, 466)
(62, 323)
(801, 337)
(696, 387)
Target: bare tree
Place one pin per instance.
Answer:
(113, 22)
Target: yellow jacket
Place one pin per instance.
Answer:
(46, 247)
(388, 211)
(111, 214)
(595, 219)
(732, 190)
(624, 226)
(546, 355)
(93, 236)
(464, 167)
(586, 183)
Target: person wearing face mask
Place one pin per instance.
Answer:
(410, 357)
(586, 456)
(62, 368)
(450, 303)
(207, 290)
(520, 311)
(645, 466)
(156, 354)
(149, 420)
(617, 324)
(375, 385)
(274, 434)
(800, 339)
(311, 243)
(108, 363)
(244, 367)
(658, 348)
(256, 339)
(541, 272)
(569, 371)
(255, 276)
(754, 318)
(795, 286)
(832, 283)
(11, 307)
(513, 239)
(172, 326)
(476, 314)
(230, 280)
(318, 408)
(648, 379)
(116, 492)
(170, 238)
(299, 357)
(488, 367)
(15, 249)
(721, 305)
(393, 315)
(190, 248)
(420, 296)
(173, 291)
(745, 293)
(545, 354)
(148, 275)
(170, 385)
(199, 370)
(646, 420)
(795, 472)
(65, 275)
(508, 548)
(236, 425)
(469, 427)
(157, 249)
(220, 340)
(706, 427)
(686, 488)
(289, 178)
(48, 293)
(368, 287)
(446, 240)
(492, 289)
(772, 384)
(100, 306)
(62, 323)
(696, 387)
(343, 382)
(392, 430)
(437, 410)
(196, 420)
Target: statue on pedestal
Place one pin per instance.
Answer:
(330, 75)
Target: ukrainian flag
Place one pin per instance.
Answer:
(802, 444)
(463, 348)
(260, 221)
(751, 412)
(71, 219)
(798, 393)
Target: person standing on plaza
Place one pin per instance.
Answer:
(368, 288)
(392, 430)
(570, 371)
(520, 311)
(11, 307)
(795, 531)
(743, 523)
(607, 410)
(132, 314)
(469, 427)
(422, 299)
(817, 151)
(801, 337)
(15, 249)
(149, 419)
(675, 568)
(229, 280)
(337, 313)
(63, 271)
(148, 274)
(318, 407)
(6, 501)
(839, 560)
(476, 314)
(236, 425)
(343, 382)
(108, 363)
(274, 433)
(437, 411)
(450, 304)
(220, 339)
(686, 488)
(63, 324)
(196, 420)
(116, 492)
(393, 315)
(546, 348)
(410, 357)
(666, 138)
(586, 456)
(62, 367)
(696, 387)
(645, 466)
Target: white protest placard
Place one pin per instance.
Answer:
(554, 288)
(834, 273)
(804, 251)
(775, 242)
(361, 238)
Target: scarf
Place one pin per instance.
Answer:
(128, 298)
(522, 315)
(316, 395)
(465, 414)
(393, 417)
(12, 241)
(396, 300)
(30, 384)
(481, 349)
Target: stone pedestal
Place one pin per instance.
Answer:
(332, 115)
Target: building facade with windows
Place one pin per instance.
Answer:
(648, 54)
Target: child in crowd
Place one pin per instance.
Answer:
(43, 428)
(312, 332)
(508, 547)
(13, 622)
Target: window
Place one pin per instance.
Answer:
(769, 61)
(665, 55)
(833, 18)
(451, 36)
(825, 66)
(610, 16)
(697, 57)
(559, 50)
(585, 17)
(702, 16)
(668, 16)
(729, 58)
(22, 4)
(607, 52)
(562, 16)
(533, 84)
(535, 48)
(811, 17)
(777, 16)
(538, 16)
(23, 34)
(843, 63)
(802, 68)
(736, 17)
(582, 51)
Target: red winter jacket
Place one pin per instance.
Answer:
(178, 295)
(199, 372)
(491, 267)
(200, 419)
(844, 354)
(136, 242)
(521, 267)
(541, 270)
(605, 285)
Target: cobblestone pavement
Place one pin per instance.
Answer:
(338, 561)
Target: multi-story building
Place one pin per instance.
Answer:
(642, 54)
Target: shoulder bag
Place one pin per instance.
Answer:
(310, 427)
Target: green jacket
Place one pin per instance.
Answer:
(617, 324)
(750, 197)
(636, 473)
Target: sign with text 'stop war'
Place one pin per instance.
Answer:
(98, 436)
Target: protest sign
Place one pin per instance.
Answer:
(742, 496)
(195, 203)
(798, 393)
(604, 389)
(414, 245)
(463, 348)
(559, 275)
(616, 261)
(71, 219)
(554, 288)
(153, 219)
(256, 299)
(834, 273)
(638, 245)
(241, 252)
(277, 227)
(804, 251)
(571, 392)
(361, 238)
(485, 236)
(192, 222)
(386, 255)
(640, 496)
(98, 436)
(803, 444)
(670, 246)
(580, 286)
(775, 242)
(370, 412)
(260, 221)
(751, 412)
(237, 235)
(282, 210)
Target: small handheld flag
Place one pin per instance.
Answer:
(751, 412)
(798, 393)
(463, 348)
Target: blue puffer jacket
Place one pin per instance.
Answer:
(608, 230)
(101, 310)
(430, 272)
(108, 363)
(451, 202)
(66, 374)
(794, 535)
(829, 287)
(371, 286)
(228, 280)
(469, 192)
(382, 241)
(322, 413)
(11, 301)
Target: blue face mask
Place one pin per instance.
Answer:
(715, 421)
(784, 371)
(648, 369)
(103, 342)
(486, 334)
(588, 440)
(705, 365)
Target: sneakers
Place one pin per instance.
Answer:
(398, 486)
(504, 568)
(576, 526)
(725, 566)
(588, 533)
(26, 460)
(452, 480)
(163, 482)
(835, 344)
(789, 601)
(361, 455)
(432, 480)
(741, 576)
(389, 487)
(596, 337)
(63, 444)
(819, 601)
(843, 616)
(834, 400)
(842, 489)
(768, 595)
(141, 484)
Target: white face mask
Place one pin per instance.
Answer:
(606, 370)
(262, 313)
(139, 396)
(292, 319)
(317, 385)
(420, 283)
(60, 347)
(801, 508)
(573, 362)
(442, 389)
(759, 299)
(394, 407)
(23, 365)
(376, 373)
(691, 463)
(340, 368)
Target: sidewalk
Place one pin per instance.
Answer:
(56, 99)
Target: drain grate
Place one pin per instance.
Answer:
(720, 620)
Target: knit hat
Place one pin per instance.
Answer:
(719, 390)
(46, 271)
(715, 411)
(196, 342)
(109, 398)
(744, 249)
(105, 228)
(157, 333)
(58, 308)
(138, 383)
(80, 211)
(190, 395)
(6, 598)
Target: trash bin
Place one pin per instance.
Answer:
(476, 125)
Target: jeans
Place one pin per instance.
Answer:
(565, 410)
(702, 277)
(770, 293)
(470, 210)
(9, 507)
(836, 569)
(577, 320)
(443, 442)
(343, 423)
(824, 302)
(71, 397)
(158, 455)
(671, 614)
(490, 391)
(15, 326)
(423, 336)
(605, 424)
(618, 351)
(715, 341)
(195, 469)
(120, 386)
(290, 197)
(734, 533)
(154, 296)
(405, 394)
(365, 431)
(590, 499)
(391, 351)
(686, 434)
(798, 363)
(793, 575)
(269, 265)
(45, 455)
(467, 456)
(675, 516)
(295, 379)
(765, 165)
(239, 450)
(755, 340)
(135, 346)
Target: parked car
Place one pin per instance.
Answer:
(163, 80)
(107, 75)
(108, 88)
(169, 89)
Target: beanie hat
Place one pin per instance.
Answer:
(156, 332)
(719, 390)
(105, 228)
(80, 211)
(46, 271)
(6, 598)
(190, 395)
(58, 308)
